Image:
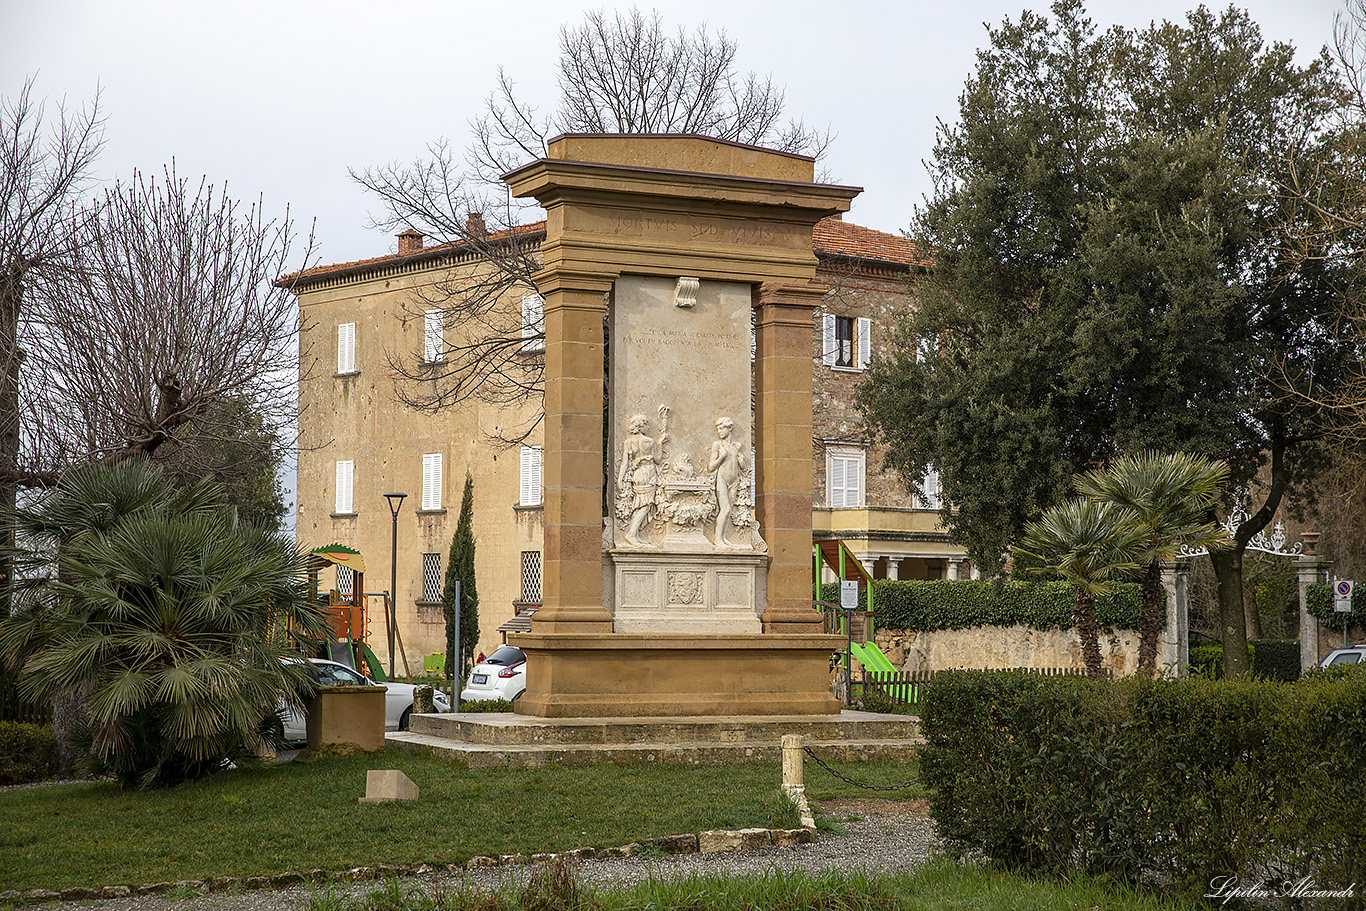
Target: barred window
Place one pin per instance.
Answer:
(431, 577)
(344, 578)
(531, 576)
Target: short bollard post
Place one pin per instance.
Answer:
(792, 760)
(423, 700)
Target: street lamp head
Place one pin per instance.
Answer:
(395, 502)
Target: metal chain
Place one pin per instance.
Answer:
(859, 784)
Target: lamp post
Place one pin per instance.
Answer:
(391, 618)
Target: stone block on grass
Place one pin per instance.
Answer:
(388, 785)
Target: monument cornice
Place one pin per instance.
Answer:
(555, 181)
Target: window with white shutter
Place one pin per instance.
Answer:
(533, 322)
(846, 341)
(431, 480)
(345, 474)
(828, 346)
(346, 348)
(930, 495)
(433, 336)
(531, 476)
(844, 478)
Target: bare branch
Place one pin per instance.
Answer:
(171, 310)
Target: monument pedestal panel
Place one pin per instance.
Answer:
(702, 593)
(676, 674)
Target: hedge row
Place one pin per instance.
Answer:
(1271, 659)
(968, 603)
(1186, 780)
(25, 752)
(1320, 598)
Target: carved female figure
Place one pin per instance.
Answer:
(638, 478)
(727, 462)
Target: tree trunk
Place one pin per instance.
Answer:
(11, 288)
(1228, 570)
(1084, 615)
(70, 710)
(1148, 625)
(1254, 616)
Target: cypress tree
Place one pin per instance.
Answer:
(460, 568)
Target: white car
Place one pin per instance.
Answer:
(1352, 654)
(501, 675)
(398, 698)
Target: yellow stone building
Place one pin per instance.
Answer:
(357, 441)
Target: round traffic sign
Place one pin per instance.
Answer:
(1344, 587)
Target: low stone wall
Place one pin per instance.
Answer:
(994, 647)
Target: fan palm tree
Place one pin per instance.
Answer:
(166, 612)
(1172, 498)
(1089, 544)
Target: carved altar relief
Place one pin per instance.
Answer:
(664, 502)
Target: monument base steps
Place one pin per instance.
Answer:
(506, 740)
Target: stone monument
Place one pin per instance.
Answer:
(683, 587)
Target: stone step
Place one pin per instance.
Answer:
(510, 729)
(516, 756)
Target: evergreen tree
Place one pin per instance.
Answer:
(1109, 277)
(460, 568)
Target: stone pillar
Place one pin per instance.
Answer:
(955, 569)
(893, 567)
(572, 468)
(782, 425)
(1310, 567)
(1173, 654)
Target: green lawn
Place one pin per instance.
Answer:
(299, 816)
(938, 886)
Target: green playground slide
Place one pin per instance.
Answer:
(376, 669)
(871, 657)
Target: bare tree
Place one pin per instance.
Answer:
(618, 73)
(1322, 198)
(43, 168)
(170, 309)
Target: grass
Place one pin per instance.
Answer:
(300, 816)
(938, 886)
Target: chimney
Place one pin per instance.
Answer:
(474, 225)
(410, 241)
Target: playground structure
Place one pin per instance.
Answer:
(348, 641)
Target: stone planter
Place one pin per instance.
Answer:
(349, 715)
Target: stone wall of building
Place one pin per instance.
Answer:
(879, 295)
(997, 647)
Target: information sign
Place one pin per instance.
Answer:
(849, 595)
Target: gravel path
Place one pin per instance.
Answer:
(883, 836)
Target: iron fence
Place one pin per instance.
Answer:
(905, 687)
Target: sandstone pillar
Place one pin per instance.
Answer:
(782, 412)
(572, 468)
(1173, 655)
(1310, 568)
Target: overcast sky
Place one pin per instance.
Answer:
(280, 98)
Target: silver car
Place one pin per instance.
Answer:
(398, 697)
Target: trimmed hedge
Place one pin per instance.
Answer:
(967, 603)
(25, 752)
(1270, 659)
(1320, 598)
(1184, 780)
